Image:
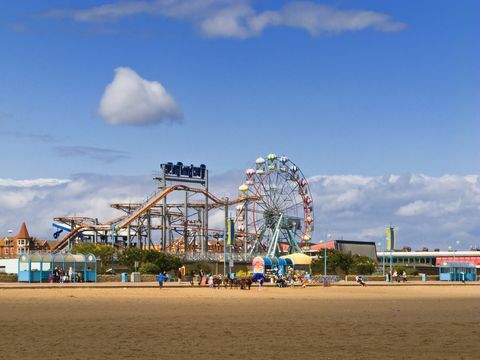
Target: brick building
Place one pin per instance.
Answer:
(11, 247)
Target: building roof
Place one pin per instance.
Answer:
(299, 259)
(321, 246)
(47, 243)
(23, 233)
(409, 254)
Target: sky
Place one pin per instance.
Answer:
(377, 102)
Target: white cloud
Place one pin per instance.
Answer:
(83, 195)
(239, 18)
(430, 211)
(129, 99)
(427, 210)
(32, 182)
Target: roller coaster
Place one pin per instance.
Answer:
(273, 215)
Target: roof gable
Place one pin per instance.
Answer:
(23, 233)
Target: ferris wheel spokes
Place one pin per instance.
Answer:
(283, 213)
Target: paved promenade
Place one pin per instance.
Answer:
(109, 285)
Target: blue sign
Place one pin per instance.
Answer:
(181, 170)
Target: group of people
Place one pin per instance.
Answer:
(290, 279)
(397, 276)
(61, 276)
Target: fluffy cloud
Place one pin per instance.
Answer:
(239, 19)
(430, 211)
(129, 99)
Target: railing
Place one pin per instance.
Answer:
(216, 257)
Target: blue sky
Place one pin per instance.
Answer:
(364, 102)
(366, 88)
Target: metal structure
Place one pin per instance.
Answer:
(281, 221)
(273, 209)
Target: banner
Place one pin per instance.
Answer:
(390, 238)
(230, 232)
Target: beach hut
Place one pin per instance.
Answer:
(34, 267)
(457, 271)
(39, 267)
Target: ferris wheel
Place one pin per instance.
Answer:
(281, 220)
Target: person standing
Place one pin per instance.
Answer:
(404, 276)
(201, 274)
(192, 275)
(160, 279)
(395, 276)
(70, 274)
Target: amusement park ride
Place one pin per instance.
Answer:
(273, 215)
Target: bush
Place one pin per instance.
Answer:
(104, 253)
(128, 257)
(201, 265)
(318, 264)
(149, 268)
(363, 265)
(411, 271)
(162, 261)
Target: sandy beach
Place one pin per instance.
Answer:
(313, 323)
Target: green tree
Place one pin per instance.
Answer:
(318, 264)
(343, 261)
(363, 265)
(149, 268)
(157, 261)
(85, 248)
(129, 256)
(201, 265)
(105, 254)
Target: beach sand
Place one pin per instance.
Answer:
(429, 322)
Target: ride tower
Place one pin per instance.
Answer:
(184, 222)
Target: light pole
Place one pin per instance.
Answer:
(454, 264)
(324, 243)
(383, 257)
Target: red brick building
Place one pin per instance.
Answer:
(11, 247)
